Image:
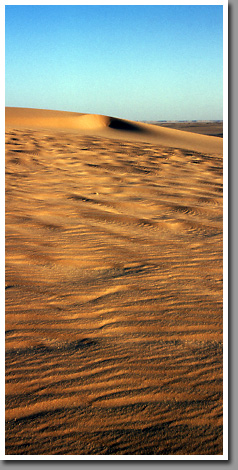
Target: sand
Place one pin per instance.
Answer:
(113, 287)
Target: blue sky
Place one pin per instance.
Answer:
(131, 61)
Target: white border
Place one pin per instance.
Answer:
(158, 2)
(225, 243)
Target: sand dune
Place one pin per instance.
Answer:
(113, 127)
(113, 287)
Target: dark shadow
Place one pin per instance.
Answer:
(120, 124)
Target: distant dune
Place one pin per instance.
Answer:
(212, 128)
(113, 127)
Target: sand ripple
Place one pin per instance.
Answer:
(113, 296)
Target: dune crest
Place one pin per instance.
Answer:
(112, 127)
(66, 120)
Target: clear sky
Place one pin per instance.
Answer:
(136, 62)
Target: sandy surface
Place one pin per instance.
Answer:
(113, 287)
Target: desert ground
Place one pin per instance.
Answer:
(214, 128)
(114, 316)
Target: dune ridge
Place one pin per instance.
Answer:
(113, 127)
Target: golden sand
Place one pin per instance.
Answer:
(113, 287)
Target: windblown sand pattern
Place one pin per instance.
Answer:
(113, 291)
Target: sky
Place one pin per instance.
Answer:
(138, 62)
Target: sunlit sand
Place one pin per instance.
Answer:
(113, 286)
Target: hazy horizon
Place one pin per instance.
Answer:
(155, 62)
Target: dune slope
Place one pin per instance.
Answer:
(113, 127)
(113, 292)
